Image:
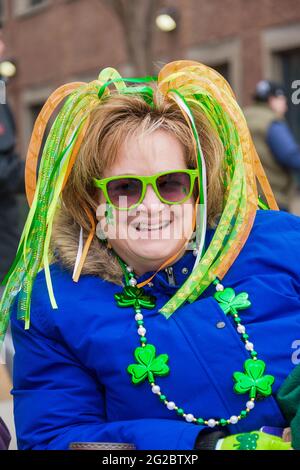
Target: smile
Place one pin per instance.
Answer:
(141, 227)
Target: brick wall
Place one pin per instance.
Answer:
(70, 39)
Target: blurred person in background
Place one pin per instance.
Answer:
(11, 183)
(4, 436)
(273, 139)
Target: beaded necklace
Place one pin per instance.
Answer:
(149, 365)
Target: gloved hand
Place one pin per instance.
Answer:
(255, 440)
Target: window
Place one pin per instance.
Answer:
(223, 69)
(32, 3)
(2, 9)
(22, 7)
(290, 63)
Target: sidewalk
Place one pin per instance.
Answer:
(6, 405)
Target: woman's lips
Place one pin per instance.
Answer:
(142, 227)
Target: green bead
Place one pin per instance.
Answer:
(245, 336)
(243, 414)
(140, 322)
(162, 397)
(253, 353)
(143, 339)
(223, 422)
(180, 411)
(200, 421)
(237, 320)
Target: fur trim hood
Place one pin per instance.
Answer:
(100, 261)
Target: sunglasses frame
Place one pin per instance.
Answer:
(145, 180)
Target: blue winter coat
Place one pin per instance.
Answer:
(70, 377)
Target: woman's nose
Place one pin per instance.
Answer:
(150, 199)
(151, 204)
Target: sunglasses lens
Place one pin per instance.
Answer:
(124, 192)
(174, 187)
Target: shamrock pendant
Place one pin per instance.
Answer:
(230, 303)
(147, 364)
(253, 380)
(133, 296)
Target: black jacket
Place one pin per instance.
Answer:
(11, 183)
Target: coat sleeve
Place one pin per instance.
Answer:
(58, 401)
(283, 145)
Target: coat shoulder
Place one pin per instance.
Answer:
(73, 299)
(274, 242)
(275, 223)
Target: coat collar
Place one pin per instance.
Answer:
(168, 280)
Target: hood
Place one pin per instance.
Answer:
(100, 261)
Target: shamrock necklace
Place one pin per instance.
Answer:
(148, 365)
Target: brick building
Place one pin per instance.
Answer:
(56, 41)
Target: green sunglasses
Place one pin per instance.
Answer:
(128, 191)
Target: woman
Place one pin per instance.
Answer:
(153, 343)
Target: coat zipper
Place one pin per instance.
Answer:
(170, 275)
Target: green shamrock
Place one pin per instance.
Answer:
(230, 302)
(247, 441)
(133, 296)
(148, 365)
(109, 217)
(253, 380)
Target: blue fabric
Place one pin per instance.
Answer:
(283, 145)
(70, 378)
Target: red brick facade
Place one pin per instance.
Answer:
(73, 39)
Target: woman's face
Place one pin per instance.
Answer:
(148, 235)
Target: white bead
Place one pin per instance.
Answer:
(211, 423)
(189, 418)
(219, 287)
(249, 346)
(233, 419)
(241, 329)
(138, 316)
(129, 269)
(155, 389)
(250, 405)
(195, 252)
(141, 331)
(171, 405)
(132, 281)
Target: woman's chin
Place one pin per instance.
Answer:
(155, 249)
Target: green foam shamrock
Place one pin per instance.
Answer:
(230, 302)
(253, 380)
(133, 296)
(148, 365)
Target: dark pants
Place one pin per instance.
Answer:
(8, 345)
